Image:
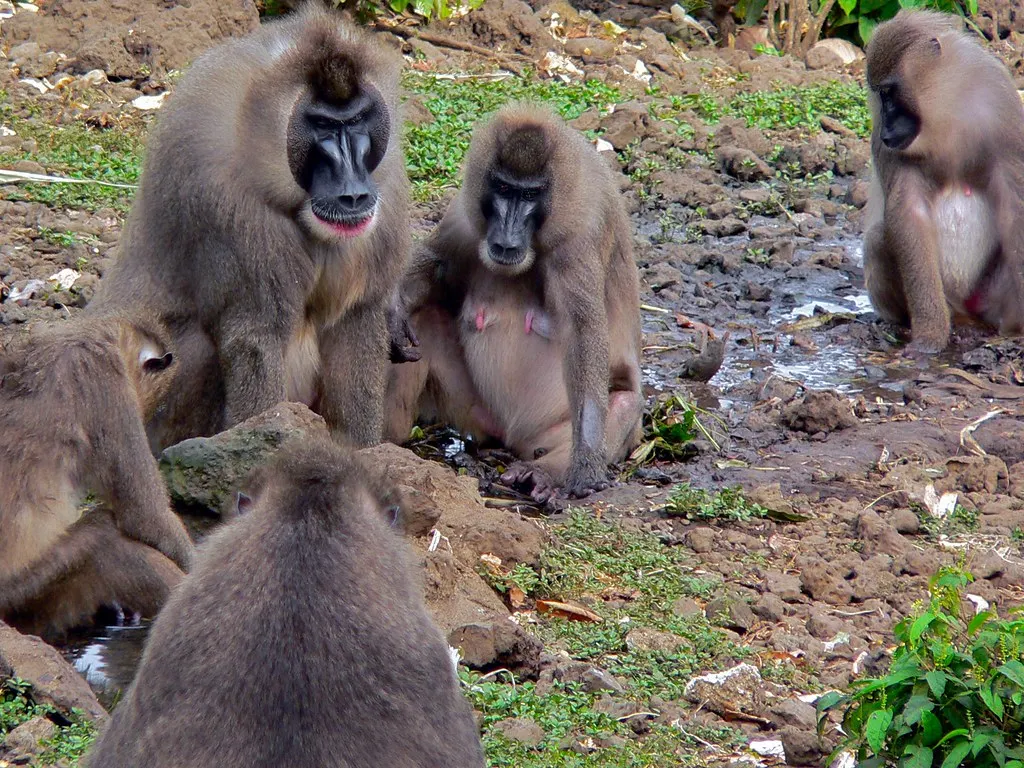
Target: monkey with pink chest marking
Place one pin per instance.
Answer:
(525, 305)
(945, 219)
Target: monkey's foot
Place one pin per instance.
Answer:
(542, 487)
(584, 482)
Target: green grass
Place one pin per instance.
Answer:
(726, 505)
(434, 151)
(17, 707)
(800, 107)
(80, 152)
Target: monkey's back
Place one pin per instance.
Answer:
(295, 643)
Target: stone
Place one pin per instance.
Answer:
(726, 227)
(878, 535)
(785, 585)
(793, 712)
(823, 625)
(770, 608)
(646, 639)
(833, 53)
(592, 679)
(858, 194)
(498, 643)
(743, 164)
(203, 473)
(590, 49)
(739, 689)
(701, 540)
(521, 730)
(819, 411)
(730, 612)
(686, 606)
(905, 522)
(626, 124)
(23, 742)
(802, 747)
(54, 680)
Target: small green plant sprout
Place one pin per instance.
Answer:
(953, 696)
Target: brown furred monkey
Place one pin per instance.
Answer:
(945, 220)
(271, 227)
(323, 653)
(73, 399)
(525, 301)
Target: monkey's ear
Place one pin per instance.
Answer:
(935, 45)
(243, 503)
(152, 361)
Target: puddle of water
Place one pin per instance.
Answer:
(107, 658)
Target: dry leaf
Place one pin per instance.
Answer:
(516, 597)
(566, 611)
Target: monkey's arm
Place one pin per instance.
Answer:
(354, 352)
(910, 235)
(252, 360)
(127, 477)
(1007, 186)
(575, 284)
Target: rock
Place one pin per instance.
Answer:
(972, 474)
(415, 111)
(614, 708)
(701, 540)
(680, 187)
(730, 612)
(472, 528)
(793, 712)
(23, 742)
(905, 522)
(733, 132)
(646, 639)
(626, 124)
(822, 625)
(739, 689)
(591, 49)
(726, 227)
(858, 194)
(824, 584)
(801, 746)
(498, 643)
(592, 679)
(504, 25)
(785, 585)
(819, 411)
(425, 50)
(662, 275)
(32, 61)
(54, 681)
(770, 608)
(203, 473)
(743, 164)
(686, 606)
(520, 730)
(878, 535)
(833, 53)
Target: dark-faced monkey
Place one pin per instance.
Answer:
(73, 399)
(525, 300)
(271, 228)
(300, 639)
(945, 220)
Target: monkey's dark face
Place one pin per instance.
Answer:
(333, 150)
(900, 125)
(514, 209)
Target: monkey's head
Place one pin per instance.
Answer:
(903, 67)
(515, 197)
(338, 134)
(331, 475)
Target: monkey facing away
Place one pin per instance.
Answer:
(271, 228)
(73, 399)
(525, 303)
(945, 220)
(325, 656)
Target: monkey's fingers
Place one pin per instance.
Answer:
(542, 487)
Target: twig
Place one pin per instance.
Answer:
(7, 175)
(447, 42)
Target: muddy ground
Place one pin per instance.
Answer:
(747, 242)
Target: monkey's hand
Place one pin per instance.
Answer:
(176, 544)
(586, 477)
(542, 487)
(402, 336)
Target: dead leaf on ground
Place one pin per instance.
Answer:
(567, 611)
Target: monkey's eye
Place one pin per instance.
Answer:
(885, 91)
(504, 190)
(531, 194)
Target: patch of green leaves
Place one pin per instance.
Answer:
(79, 152)
(800, 107)
(954, 694)
(668, 427)
(857, 19)
(728, 505)
(434, 150)
(73, 737)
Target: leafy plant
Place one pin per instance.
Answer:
(727, 504)
(70, 741)
(668, 427)
(954, 694)
(857, 19)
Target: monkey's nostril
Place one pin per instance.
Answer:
(505, 254)
(354, 203)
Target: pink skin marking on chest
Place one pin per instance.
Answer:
(481, 319)
(975, 302)
(968, 191)
(529, 321)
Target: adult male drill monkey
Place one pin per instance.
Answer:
(945, 220)
(525, 300)
(271, 228)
